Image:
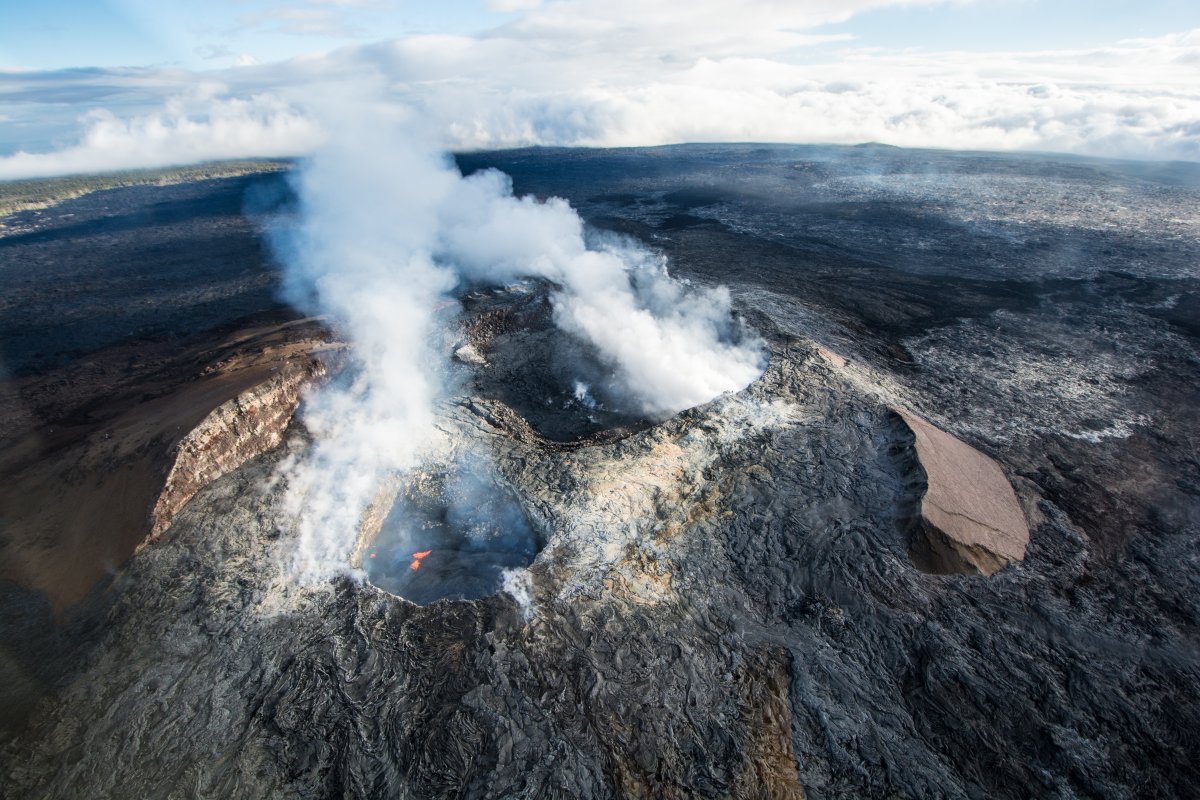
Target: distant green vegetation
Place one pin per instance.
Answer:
(25, 195)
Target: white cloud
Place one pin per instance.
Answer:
(1172, 40)
(185, 130)
(1137, 99)
(928, 113)
(625, 73)
(512, 5)
(681, 28)
(212, 51)
(301, 21)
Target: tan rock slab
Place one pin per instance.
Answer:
(971, 522)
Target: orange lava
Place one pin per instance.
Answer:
(416, 562)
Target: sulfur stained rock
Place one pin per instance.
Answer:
(468, 354)
(971, 522)
(768, 769)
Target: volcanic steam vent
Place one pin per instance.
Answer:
(450, 535)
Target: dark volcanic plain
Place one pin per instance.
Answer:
(723, 603)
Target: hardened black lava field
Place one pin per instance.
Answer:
(719, 604)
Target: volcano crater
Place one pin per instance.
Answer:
(513, 353)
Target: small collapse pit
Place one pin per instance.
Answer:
(450, 535)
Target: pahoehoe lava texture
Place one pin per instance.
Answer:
(724, 605)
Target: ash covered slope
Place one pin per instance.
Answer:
(725, 605)
(126, 316)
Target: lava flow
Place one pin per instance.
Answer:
(416, 562)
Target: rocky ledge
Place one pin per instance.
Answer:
(970, 520)
(239, 429)
(100, 455)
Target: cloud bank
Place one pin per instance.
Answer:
(588, 73)
(261, 125)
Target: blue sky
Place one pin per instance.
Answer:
(1021, 24)
(106, 84)
(53, 34)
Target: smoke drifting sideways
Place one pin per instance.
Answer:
(385, 229)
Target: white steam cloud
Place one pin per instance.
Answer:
(387, 228)
(670, 345)
(362, 252)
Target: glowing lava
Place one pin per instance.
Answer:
(416, 562)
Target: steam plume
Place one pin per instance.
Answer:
(386, 228)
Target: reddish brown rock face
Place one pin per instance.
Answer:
(971, 522)
(236, 431)
(125, 448)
